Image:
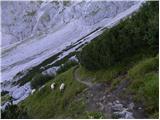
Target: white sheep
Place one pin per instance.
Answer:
(41, 87)
(62, 87)
(33, 91)
(52, 86)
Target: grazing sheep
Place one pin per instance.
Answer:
(41, 87)
(33, 91)
(52, 86)
(62, 87)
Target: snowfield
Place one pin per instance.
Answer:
(51, 28)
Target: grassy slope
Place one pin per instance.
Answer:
(145, 84)
(143, 73)
(54, 104)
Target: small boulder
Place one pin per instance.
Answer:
(117, 107)
(123, 114)
(104, 97)
(118, 115)
(108, 95)
(131, 106)
(109, 104)
(139, 108)
(129, 115)
(101, 106)
(117, 101)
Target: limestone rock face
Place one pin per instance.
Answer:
(23, 19)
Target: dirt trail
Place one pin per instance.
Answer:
(99, 99)
(86, 81)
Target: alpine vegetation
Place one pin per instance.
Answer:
(80, 59)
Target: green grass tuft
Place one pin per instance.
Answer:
(5, 98)
(94, 115)
(145, 66)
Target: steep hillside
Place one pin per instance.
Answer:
(116, 76)
(91, 94)
(37, 36)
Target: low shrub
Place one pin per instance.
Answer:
(14, 112)
(66, 66)
(4, 92)
(39, 80)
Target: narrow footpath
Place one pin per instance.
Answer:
(98, 99)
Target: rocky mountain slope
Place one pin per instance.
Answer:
(25, 19)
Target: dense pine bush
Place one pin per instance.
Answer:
(132, 35)
(39, 80)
